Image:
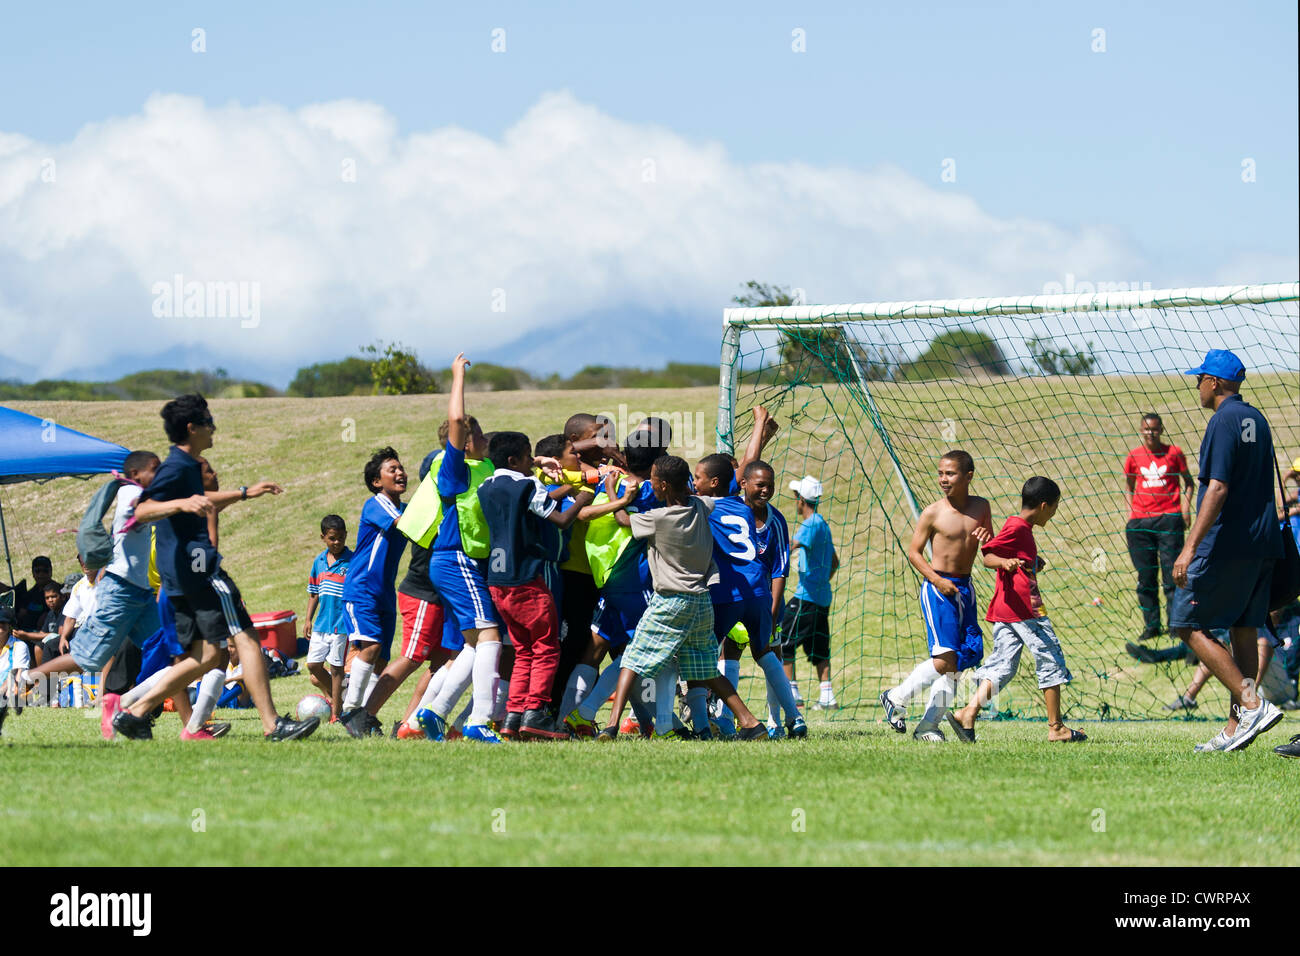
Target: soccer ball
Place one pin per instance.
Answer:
(313, 705)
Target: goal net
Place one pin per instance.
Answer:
(869, 396)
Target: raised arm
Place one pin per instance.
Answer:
(457, 423)
(765, 427)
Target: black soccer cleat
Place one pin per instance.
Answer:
(355, 723)
(757, 732)
(132, 727)
(286, 728)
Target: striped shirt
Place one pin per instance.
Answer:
(326, 584)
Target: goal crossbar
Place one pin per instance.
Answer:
(780, 316)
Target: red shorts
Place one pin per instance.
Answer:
(421, 627)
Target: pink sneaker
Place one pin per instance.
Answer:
(112, 704)
(201, 734)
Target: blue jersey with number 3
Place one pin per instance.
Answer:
(741, 572)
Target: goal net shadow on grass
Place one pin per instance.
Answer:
(869, 396)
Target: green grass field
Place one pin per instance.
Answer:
(852, 794)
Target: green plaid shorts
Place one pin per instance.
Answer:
(675, 625)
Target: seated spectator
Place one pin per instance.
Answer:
(30, 604)
(44, 638)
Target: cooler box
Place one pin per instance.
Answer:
(278, 631)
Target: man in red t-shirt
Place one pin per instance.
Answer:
(1155, 521)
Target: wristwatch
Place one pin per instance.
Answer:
(243, 492)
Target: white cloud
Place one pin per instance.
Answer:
(557, 214)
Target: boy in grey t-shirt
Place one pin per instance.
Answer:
(678, 623)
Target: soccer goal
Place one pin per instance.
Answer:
(870, 395)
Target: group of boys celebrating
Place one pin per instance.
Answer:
(534, 564)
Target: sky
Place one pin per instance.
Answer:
(550, 185)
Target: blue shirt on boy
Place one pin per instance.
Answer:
(372, 572)
(185, 555)
(774, 544)
(326, 583)
(453, 480)
(741, 575)
(814, 560)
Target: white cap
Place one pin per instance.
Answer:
(808, 488)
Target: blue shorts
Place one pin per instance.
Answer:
(453, 638)
(617, 615)
(755, 614)
(462, 582)
(952, 625)
(1223, 592)
(123, 611)
(372, 622)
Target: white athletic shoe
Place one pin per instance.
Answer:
(1252, 723)
(930, 735)
(1218, 742)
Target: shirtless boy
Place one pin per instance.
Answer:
(953, 527)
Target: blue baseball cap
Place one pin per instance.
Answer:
(1221, 364)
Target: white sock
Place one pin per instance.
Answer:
(357, 681)
(600, 691)
(941, 694)
(370, 687)
(430, 693)
(641, 691)
(501, 698)
(794, 688)
(697, 699)
(731, 671)
(459, 722)
(922, 676)
(143, 688)
(210, 688)
(665, 697)
(458, 678)
(575, 692)
(778, 682)
(827, 695)
(485, 681)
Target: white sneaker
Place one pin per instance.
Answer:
(929, 734)
(1218, 742)
(1252, 723)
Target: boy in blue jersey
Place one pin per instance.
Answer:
(743, 592)
(327, 623)
(461, 580)
(807, 616)
(773, 540)
(370, 588)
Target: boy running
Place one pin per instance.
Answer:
(953, 528)
(1016, 613)
(327, 627)
(209, 611)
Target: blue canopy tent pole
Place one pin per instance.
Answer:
(5, 533)
(36, 449)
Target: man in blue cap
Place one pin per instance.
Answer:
(1225, 569)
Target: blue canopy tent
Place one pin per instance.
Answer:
(32, 449)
